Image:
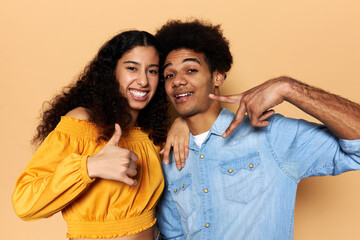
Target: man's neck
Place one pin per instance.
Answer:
(202, 122)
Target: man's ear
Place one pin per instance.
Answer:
(218, 78)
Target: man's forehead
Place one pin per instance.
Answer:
(181, 56)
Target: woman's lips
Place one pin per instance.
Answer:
(139, 95)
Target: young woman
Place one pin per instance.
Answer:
(99, 161)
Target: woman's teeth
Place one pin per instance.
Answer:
(138, 93)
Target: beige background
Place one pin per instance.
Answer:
(45, 44)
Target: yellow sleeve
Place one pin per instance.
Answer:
(54, 177)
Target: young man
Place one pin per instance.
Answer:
(244, 186)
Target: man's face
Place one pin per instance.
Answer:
(188, 82)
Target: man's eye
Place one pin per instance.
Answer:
(168, 76)
(192, 70)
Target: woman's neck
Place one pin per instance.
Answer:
(134, 115)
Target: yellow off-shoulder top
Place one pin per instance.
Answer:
(56, 179)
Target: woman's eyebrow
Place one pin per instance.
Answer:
(133, 62)
(136, 63)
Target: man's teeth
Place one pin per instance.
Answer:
(138, 93)
(183, 95)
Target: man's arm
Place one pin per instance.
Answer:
(340, 115)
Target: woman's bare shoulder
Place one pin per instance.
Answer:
(80, 113)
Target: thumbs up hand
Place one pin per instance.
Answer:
(113, 162)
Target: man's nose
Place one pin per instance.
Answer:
(179, 80)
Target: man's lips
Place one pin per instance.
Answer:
(182, 96)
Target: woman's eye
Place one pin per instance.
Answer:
(132, 68)
(153, 71)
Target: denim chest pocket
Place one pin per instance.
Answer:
(242, 178)
(180, 184)
(180, 190)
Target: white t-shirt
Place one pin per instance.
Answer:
(199, 139)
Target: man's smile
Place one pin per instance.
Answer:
(182, 96)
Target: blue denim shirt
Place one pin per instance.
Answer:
(244, 186)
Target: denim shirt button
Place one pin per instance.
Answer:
(230, 170)
(175, 190)
(251, 165)
(207, 225)
(206, 190)
(202, 156)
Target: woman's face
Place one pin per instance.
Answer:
(137, 72)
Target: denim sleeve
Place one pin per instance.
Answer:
(169, 222)
(304, 149)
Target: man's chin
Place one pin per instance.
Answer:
(185, 114)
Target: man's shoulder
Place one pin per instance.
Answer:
(245, 129)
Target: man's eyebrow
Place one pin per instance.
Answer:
(166, 65)
(185, 60)
(192, 59)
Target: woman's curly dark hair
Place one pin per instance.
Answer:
(97, 90)
(199, 36)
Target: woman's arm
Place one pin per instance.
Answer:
(54, 177)
(178, 140)
(61, 169)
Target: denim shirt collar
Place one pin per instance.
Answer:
(218, 128)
